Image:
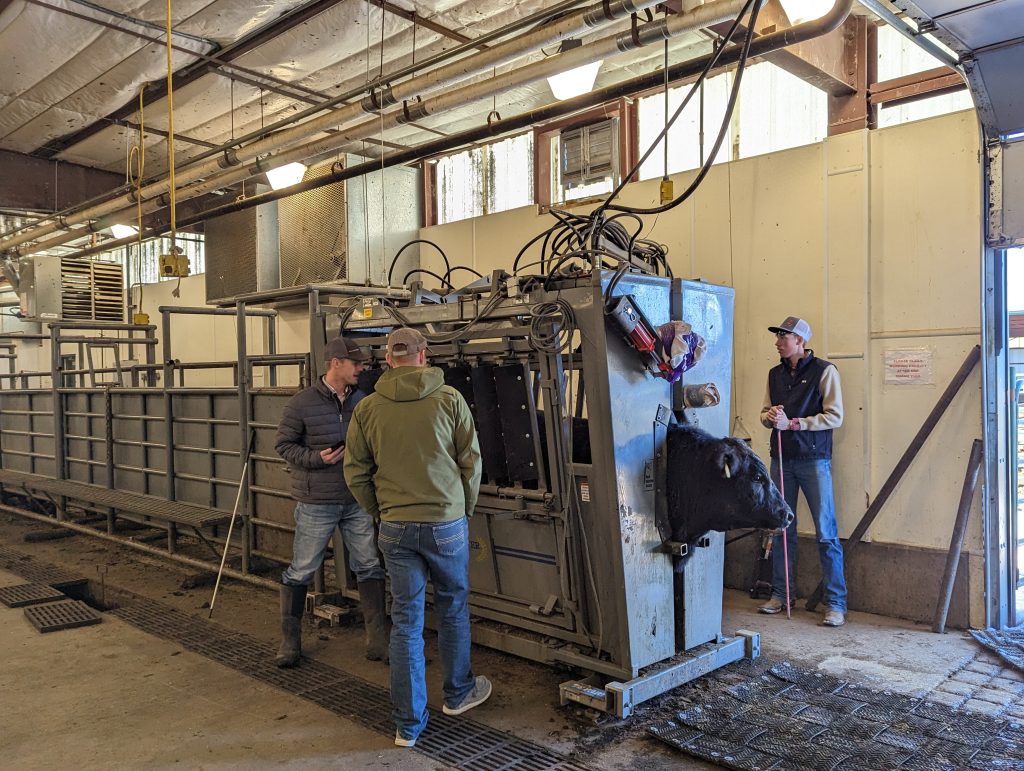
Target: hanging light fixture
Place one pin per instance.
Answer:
(799, 11)
(123, 231)
(578, 80)
(286, 176)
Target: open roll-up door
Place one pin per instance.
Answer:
(989, 38)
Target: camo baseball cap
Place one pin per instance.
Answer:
(795, 326)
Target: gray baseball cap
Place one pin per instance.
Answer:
(344, 348)
(794, 325)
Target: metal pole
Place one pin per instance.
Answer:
(956, 542)
(904, 463)
(243, 425)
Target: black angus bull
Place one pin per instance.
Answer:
(712, 484)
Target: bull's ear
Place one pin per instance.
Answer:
(727, 460)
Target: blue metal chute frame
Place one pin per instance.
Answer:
(567, 558)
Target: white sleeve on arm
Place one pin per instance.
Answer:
(831, 415)
(765, 406)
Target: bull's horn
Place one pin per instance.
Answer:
(728, 473)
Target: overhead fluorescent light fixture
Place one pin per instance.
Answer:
(286, 176)
(578, 80)
(799, 11)
(123, 231)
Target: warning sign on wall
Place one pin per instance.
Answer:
(909, 366)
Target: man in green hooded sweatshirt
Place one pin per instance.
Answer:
(413, 462)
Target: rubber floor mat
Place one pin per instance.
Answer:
(818, 722)
(1008, 644)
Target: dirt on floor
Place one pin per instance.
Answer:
(871, 650)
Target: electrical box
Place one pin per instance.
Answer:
(174, 266)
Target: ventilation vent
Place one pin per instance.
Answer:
(91, 291)
(589, 153)
(314, 233)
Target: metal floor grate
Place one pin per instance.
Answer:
(67, 614)
(21, 595)
(819, 722)
(38, 572)
(457, 741)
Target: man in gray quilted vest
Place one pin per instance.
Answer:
(311, 439)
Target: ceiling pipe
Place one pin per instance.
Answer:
(589, 18)
(430, 61)
(665, 28)
(759, 47)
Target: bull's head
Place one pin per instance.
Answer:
(718, 484)
(745, 494)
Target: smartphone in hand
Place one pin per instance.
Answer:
(337, 446)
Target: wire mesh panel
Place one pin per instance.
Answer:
(314, 233)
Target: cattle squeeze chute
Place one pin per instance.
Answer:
(573, 551)
(596, 542)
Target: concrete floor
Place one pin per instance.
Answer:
(111, 696)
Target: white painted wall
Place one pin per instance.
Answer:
(874, 237)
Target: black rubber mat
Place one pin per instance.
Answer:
(458, 742)
(1008, 644)
(21, 595)
(66, 614)
(804, 720)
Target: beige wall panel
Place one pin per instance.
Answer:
(925, 225)
(922, 509)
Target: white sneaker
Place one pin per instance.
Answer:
(481, 692)
(772, 607)
(401, 741)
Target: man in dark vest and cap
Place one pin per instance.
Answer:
(804, 403)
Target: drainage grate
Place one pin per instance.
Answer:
(28, 594)
(38, 572)
(825, 723)
(460, 742)
(67, 614)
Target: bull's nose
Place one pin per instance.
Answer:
(789, 518)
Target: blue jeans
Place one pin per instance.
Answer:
(413, 552)
(314, 526)
(814, 477)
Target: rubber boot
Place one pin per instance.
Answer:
(293, 606)
(371, 599)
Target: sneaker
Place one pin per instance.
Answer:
(772, 607)
(834, 618)
(401, 741)
(481, 692)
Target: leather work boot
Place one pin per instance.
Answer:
(834, 618)
(293, 606)
(773, 606)
(371, 600)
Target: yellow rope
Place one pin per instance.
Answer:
(170, 131)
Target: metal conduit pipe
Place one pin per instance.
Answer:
(911, 34)
(591, 17)
(662, 29)
(760, 46)
(441, 56)
(162, 553)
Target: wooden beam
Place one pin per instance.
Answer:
(852, 111)
(909, 88)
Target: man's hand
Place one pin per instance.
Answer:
(330, 457)
(777, 416)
